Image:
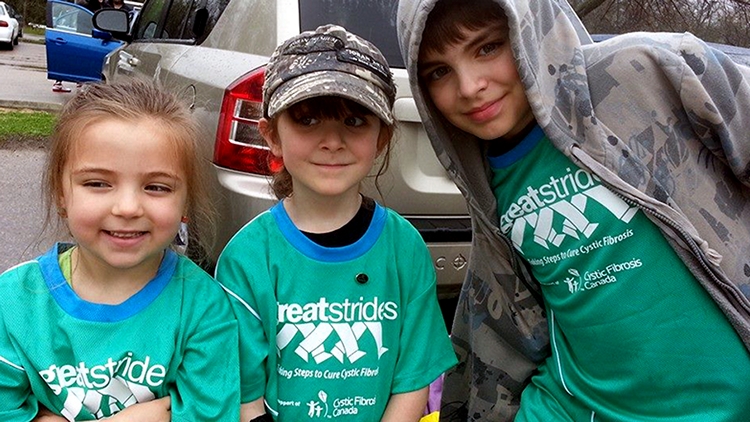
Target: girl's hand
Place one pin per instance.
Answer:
(152, 411)
(45, 415)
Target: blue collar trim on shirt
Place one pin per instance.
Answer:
(519, 151)
(321, 253)
(88, 311)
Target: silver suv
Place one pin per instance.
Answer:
(213, 52)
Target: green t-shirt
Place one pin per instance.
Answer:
(176, 337)
(634, 336)
(332, 333)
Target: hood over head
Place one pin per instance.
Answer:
(546, 37)
(660, 118)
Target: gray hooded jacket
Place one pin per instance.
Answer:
(662, 119)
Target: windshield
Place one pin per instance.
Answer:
(373, 20)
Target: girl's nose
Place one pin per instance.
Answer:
(127, 204)
(332, 138)
(471, 81)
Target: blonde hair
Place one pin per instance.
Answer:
(133, 100)
(326, 107)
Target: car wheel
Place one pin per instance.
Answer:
(15, 41)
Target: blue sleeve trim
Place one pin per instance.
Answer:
(321, 253)
(71, 303)
(519, 151)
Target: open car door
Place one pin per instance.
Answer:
(75, 50)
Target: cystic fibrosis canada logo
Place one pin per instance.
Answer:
(346, 321)
(320, 408)
(593, 279)
(573, 280)
(536, 214)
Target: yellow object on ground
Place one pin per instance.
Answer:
(432, 417)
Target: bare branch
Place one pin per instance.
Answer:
(587, 7)
(723, 21)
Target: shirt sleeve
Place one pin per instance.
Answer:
(16, 400)
(425, 348)
(234, 274)
(207, 383)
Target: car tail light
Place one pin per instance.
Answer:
(3, 24)
(239, 145)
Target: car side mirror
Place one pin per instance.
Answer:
(102, 35)
(114, 21)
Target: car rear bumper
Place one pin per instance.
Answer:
(6, 34)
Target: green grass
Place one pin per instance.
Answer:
(34, 31)
(32, 123)
(25, 129)
(27, 30)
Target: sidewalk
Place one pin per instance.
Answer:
(30, 88)
(24, 80)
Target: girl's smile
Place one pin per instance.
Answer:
(486, 112)
(125, 239)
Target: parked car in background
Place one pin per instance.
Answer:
(75, 49)
(9, 28)
(213, 52)
(19, 17)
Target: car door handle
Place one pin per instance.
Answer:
(60, 41)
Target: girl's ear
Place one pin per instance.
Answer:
(384, 137)
(61, 210)
(268, 132)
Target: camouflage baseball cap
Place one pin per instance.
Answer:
(329, 61)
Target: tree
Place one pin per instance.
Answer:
(32, 10)
(722, 21)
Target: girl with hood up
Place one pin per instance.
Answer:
(609, 190)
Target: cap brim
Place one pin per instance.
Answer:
(335, 84)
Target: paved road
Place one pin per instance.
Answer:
(23, 84)
(21, 214)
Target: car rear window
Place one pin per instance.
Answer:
(373, 20)
(175, 19)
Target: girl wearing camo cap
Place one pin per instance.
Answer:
(335, 293)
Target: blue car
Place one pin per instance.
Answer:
(75, 49)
